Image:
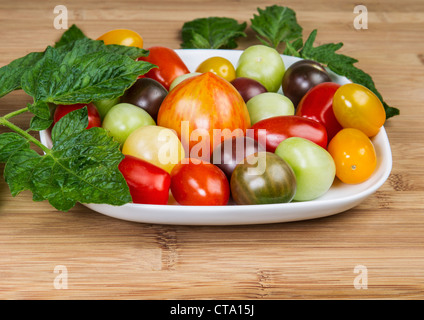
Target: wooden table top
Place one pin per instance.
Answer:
(106, 258)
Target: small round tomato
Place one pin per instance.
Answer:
(317, 104)
(148, 184)
(123, 119)
(123, 37)
(94, 119)
(355, 106)
(199, 183)
(220, 66)
(169, 65)
(353, 154)
(157, 145)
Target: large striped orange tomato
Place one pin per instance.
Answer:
(204, 110)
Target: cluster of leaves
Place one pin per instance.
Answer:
(277, 26)
(82, 165)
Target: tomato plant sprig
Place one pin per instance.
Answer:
(82, 165)
(276, 26)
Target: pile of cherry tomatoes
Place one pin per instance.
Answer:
(227, 132)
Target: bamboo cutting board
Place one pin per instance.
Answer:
(375, 250)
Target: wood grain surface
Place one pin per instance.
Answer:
(106, 258)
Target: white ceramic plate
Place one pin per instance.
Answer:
(339, 198)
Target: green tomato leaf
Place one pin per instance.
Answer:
(72, 34)
(18, 170)
(342, 65)
(82, 166)
(10, 75)
(275, 25)
(10, 142)
(79, 77)
(212, 33)
(39, 124)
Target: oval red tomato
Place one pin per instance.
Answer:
(199, 183)
(200, 109)
(317, 104)
(170, 65)
(94, 119)
(283, 127)
(148, 183)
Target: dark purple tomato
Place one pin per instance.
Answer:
(147, 94)
(300, 77)
(248, 88)
(263, 178)
(232, 151)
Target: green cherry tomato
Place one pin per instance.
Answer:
(267, 105)
(123, 119)
(263, 64)
(103, 106)
(313, 166)
(262, 178)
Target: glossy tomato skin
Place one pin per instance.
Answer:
(232, 151)
(317, 104)
(313, 167)
(300, 77)
(263, 64)
(123, 37)
(220, 66)
(94, 119)
(155, 144)
(170, 65)
(355, 106)
(148, 184)
(248, 88)
(204, 105)
(199, 183)
(283, 127)
(354, 155)
(273, 181)
(147, 94)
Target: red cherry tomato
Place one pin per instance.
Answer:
(199, 183)
(94, 119)
(317, 105)
(283, 127)
(148, 183)
(170, 65)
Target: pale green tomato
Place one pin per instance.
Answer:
(313, 167)
(263, 64)
(123, 119)
(181, 78)
(267, 105)
(157, 145)
(103, 106)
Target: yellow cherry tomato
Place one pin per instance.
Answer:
(355, 106)
(354, 155)
(220, 66)
(123, 37)
(155, 144)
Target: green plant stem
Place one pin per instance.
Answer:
(15, 113)
(23, 133)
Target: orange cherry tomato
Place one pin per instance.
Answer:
(220, 66)
(354, 155)
(355, 106)
(123, 37)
